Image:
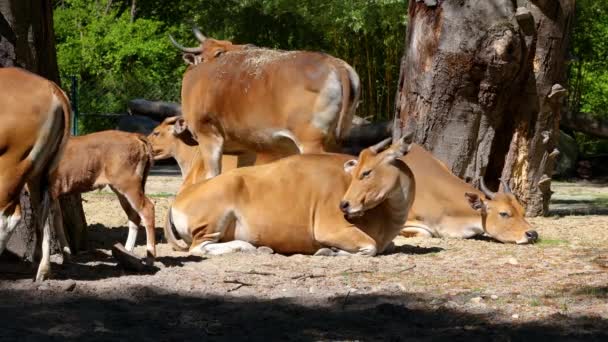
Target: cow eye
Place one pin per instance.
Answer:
(365, 173)
(155, 133)
(504, 214)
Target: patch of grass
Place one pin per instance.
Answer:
(535, 302)
(601, 200)
(162, 195)
(551, 242)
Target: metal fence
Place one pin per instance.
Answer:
(101, 104)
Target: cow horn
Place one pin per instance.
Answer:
(485, 190)
(505, 186)
(183, 48)
(199, 35)
(379, 146)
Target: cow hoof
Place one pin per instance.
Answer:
(265, 250)
(390, 248)
(42, 275)
(368, 251)
(324, 252)
(149, 261)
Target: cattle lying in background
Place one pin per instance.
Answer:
(35, 115)
(341, 205)
(120, 160)
(265, 100)
(446, 206)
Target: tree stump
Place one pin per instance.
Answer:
(473, 88)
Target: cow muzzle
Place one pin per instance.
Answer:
(349, 211)
(531, 236)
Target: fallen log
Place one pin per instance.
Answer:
(156, 110)
(585, 123)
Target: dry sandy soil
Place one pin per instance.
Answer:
(429, 289)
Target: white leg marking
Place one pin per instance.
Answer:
(44, 268)
(212, 248)
(132, 237)
(7, 226)
(215, 167)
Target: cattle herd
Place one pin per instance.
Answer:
(283, 115)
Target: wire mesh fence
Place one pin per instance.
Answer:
(100, 106)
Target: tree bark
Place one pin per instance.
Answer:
(27, 40)
(468, 72)
(532, 155)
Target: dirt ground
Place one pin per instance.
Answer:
(429, 289)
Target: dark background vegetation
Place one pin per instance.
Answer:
(119, 52)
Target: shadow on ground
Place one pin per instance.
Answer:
(156, 315)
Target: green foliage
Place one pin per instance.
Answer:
(588, 74)
(589, 71)
(117, 58)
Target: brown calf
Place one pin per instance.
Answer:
(120, 160)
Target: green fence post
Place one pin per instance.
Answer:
(74, 97)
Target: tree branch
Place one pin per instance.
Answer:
(585, 123)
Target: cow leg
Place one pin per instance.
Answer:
(211, 248)
(10, 217)
(144, 208)
(415, 232)
(134, 220)
(349, 239)
(60, 230)
(211, 146)
(206, 241)
(41, 208)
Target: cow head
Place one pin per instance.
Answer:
(502, 215)
(208, 50)
(374, 176)
(166, 136)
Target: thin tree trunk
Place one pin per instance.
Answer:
(27, 40)
(474, 84)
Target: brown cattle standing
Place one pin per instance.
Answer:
(324, 204)
(446, 206)
(265, 100)
(120, 160)
(35, 116)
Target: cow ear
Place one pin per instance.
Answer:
(399, 148)
(189, 58)
(179, 127)
(475, 201)
(349, 166)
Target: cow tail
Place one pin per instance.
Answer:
(350, 97)
(147, 159)
(170, 236)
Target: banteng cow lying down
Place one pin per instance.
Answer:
(307, 204)
(118, 159)
(265, 100)
(446, 206)
(35, 116)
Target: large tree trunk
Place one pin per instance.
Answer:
(467, 73)
(532, 155)
(27, 40)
